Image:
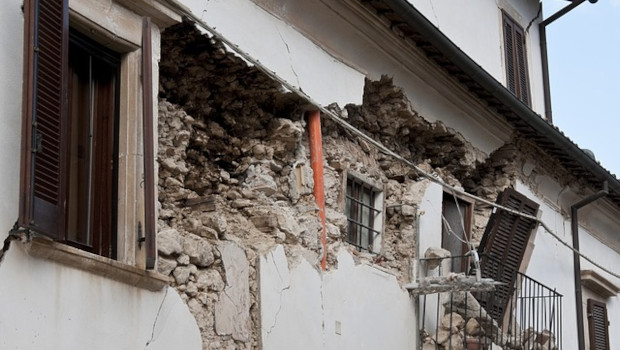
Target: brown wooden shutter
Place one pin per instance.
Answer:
(598, 325)
(509, 53)
(46, 29)
(521, 65)
(517, 80)
(149, 156)
(503, 246)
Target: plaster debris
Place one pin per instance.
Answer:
(232, 311)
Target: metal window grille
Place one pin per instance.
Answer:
(361, 214)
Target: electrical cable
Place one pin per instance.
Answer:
(331, 115)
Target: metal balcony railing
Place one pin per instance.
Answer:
(529, 318)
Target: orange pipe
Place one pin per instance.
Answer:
(316, 158)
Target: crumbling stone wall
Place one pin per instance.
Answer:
(235, 178)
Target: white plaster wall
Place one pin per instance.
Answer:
(552, 264)
(476, 28)
(290, 304)
(369, 306)
(352, 307)
(430, 222)
(44, 305)
(430, 236)
(10, 111)
(609, 258)
(50, 306)
(281, 48)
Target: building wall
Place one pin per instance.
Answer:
(297, 43)
(552, 263)
(362, 48)
(53, 306)
(238, 231)
(356, 306)
(476, 28)
(49, 305)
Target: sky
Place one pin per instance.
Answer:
(584, 69)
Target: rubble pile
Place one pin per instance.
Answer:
(466, 325)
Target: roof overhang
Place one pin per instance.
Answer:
(414, 27)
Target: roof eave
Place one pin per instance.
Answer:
(511, 106)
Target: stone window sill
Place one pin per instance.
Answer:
(47, 249)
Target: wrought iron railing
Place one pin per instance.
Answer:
(530, 317)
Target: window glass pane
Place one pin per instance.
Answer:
(79, 146)
(93, 112)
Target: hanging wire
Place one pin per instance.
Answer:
(331, 115)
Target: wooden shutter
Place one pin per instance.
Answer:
(509, 53)
(517, 80)
(598, 325)
(521, 65)
(149, 156)
(43, 148)
(503, 246)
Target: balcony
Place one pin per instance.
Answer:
(459, 312)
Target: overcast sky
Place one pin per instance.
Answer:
(584, 62)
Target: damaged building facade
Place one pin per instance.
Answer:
(302, 175)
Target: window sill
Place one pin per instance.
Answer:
(40, 247)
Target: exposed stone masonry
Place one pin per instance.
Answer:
(235, 179)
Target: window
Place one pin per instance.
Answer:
(457, 215)
(92, 146)
(516, 59)
(364, 209)
(598, 325)
(503, 247)
(70, 167)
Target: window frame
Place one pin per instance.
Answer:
(515, 59)
(136, 125)
(467, 216)
(101, 235)
(374, 223)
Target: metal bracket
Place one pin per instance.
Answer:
(141, 238)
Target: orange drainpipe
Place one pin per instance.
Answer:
(316, 157)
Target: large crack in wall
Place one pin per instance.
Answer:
(235, 178)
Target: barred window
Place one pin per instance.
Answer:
(364, 209)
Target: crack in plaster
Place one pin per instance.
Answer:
(238, 311)
(275, 318)
(161, 305)
(288, 49)
(285, 288)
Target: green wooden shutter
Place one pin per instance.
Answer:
(598, 325)
(503, 245)
(43, 147)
